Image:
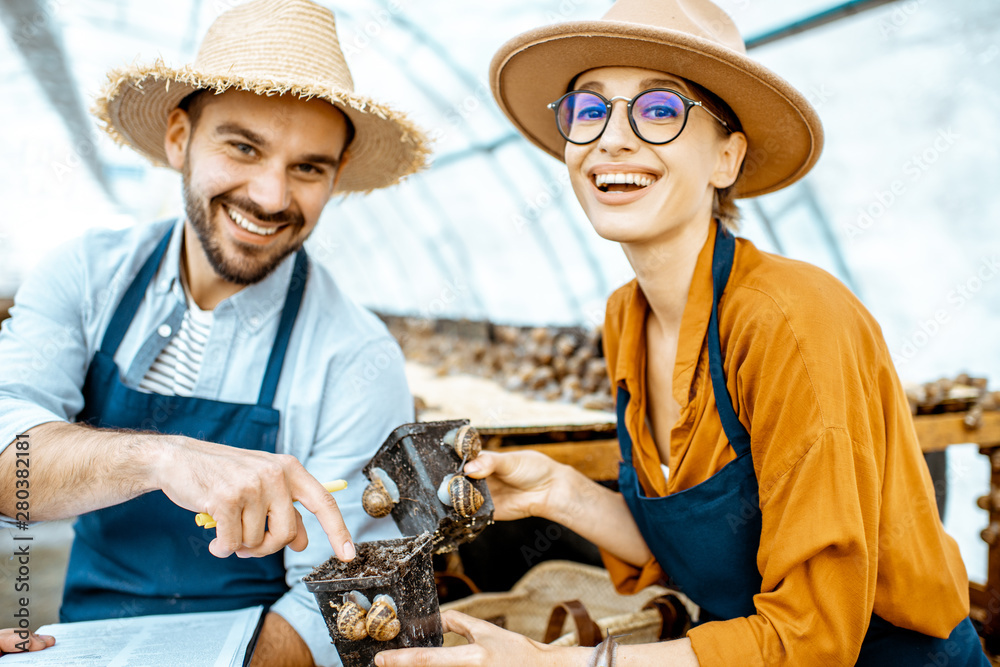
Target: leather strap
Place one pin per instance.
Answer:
(675, 618)
(586, 630)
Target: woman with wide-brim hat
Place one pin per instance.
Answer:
(770, 468)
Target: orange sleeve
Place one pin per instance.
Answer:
(611, 335)
(806, 391)
(819, 542)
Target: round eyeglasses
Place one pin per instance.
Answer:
(657, 115)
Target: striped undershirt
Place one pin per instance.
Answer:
(175, 371)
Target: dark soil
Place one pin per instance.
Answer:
(401, 569)
(374, 559)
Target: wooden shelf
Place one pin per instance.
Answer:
(598, 459)
(937, 432)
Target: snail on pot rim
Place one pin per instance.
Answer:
(381, 495)
(382, 623)
(458, 492)
(465, 441)
(352, 616)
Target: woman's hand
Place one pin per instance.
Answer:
(488, 645)
(12, 641)
(527, 483)
(521, 483)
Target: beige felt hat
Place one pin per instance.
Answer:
(693, 39)
(268, 47)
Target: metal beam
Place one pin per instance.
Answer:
(30, 25)
(835, 13)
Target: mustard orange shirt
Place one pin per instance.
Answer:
(850, 524)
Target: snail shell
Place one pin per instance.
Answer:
(376, 500)
(381, 495)
(382, 624)
(352, 615)
(458, 492)
(465, 441)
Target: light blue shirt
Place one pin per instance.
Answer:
(342, 388)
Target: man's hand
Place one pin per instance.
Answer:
(12, 641)
(77, 469)
(242, 490)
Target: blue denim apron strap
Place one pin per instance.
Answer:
(300, 274)
(133, 297)
(722, 264)
(886, 645)
(704, 537)
(622, 398)
(147, 555)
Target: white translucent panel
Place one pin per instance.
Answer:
(907, 93)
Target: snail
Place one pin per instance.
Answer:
(458, 492)
(465, 441)
(351, 616)
(382, 624)
(381, 495)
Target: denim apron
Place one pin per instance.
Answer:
(706, 537)
(147, 556)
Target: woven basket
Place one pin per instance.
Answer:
(528, 607)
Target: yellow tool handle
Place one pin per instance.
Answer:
(206, 521)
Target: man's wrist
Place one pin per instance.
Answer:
(149, 456)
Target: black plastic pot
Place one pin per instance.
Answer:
(406, 574)
(415, 459)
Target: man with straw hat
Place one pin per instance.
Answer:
(208, 365)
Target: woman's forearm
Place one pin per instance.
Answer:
(597, 514)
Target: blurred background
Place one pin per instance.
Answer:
(901, 207)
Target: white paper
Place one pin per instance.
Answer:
(211, 639)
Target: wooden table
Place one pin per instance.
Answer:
(596, 455)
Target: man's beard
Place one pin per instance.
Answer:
(248, 267)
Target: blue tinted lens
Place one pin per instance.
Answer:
(658, 115)
(581, 116)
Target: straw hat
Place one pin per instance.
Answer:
(268, 47)
(693, 39)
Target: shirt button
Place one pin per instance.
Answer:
(164, 330)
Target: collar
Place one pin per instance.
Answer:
(630, 366)
(253, 304)
(694, 322)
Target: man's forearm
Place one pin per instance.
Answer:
(75, 469)
(280, 646)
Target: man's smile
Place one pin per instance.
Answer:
(255, 231)
(240, 220)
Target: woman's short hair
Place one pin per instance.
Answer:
(724, 207)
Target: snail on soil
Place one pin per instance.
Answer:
(458, 492)
(351, 617)
(382, 624)
(465, 441)
(381, 495)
